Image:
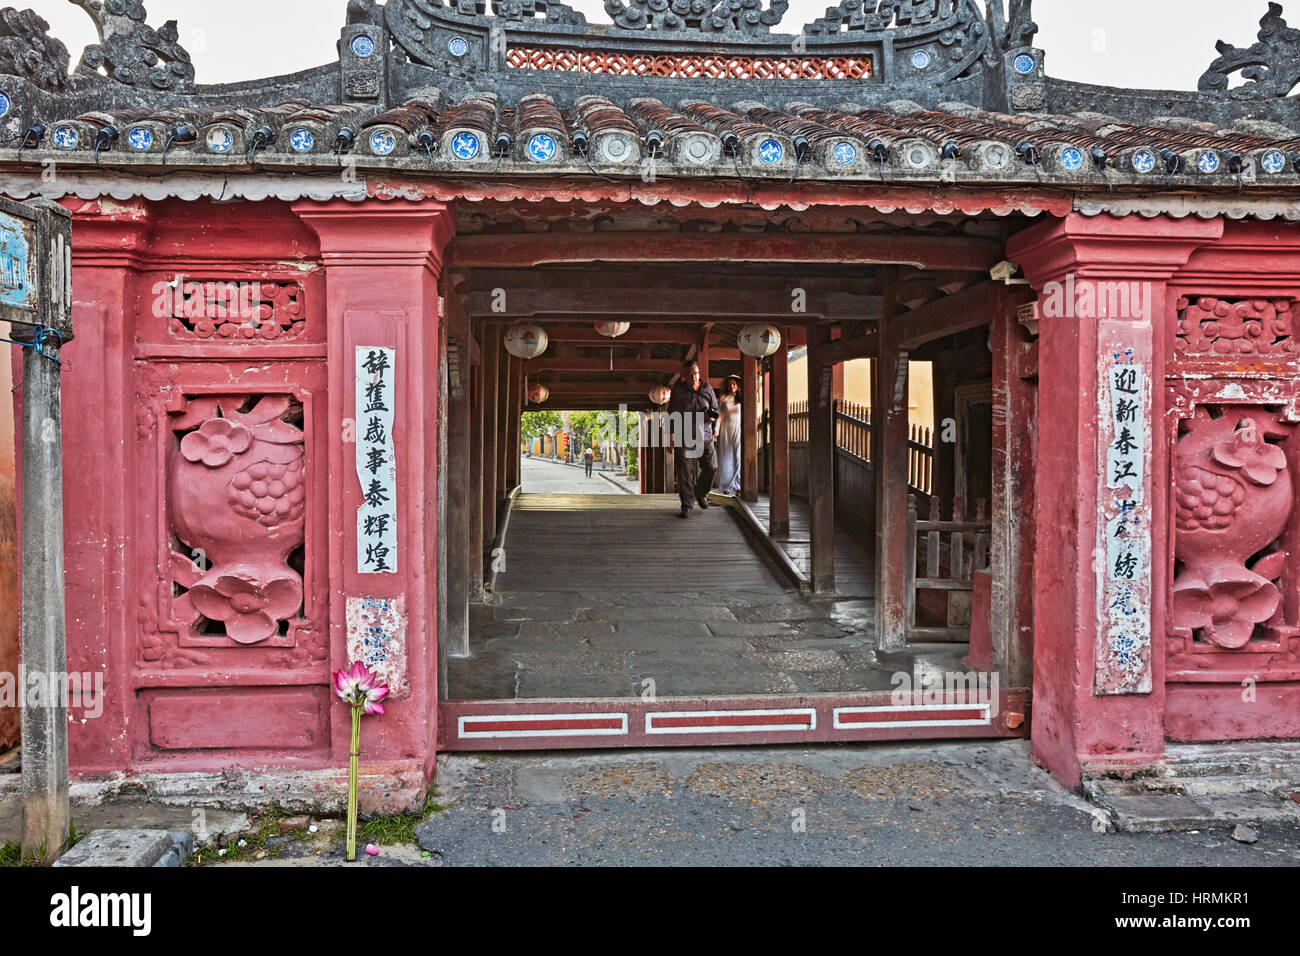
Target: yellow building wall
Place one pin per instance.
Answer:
(857, 387)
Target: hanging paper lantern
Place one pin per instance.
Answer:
(759, 341)
(660, 394)
(537, 394)
(612, 330)
(526, 341)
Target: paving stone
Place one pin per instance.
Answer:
(663, 612)
(560, 614)
(119, 848)
(782, 612)
(751, 629)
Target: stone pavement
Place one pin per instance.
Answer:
(915, 804)
(902, 805)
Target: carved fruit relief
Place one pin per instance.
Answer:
(238, 495)
(1233, 499)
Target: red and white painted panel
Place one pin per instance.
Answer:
(693, 722)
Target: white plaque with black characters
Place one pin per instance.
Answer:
(376, 460)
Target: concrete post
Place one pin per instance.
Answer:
(44, 647)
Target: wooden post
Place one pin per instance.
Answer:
(821, 460)
(779, 453)
(749, 428)
(42, 317)
(889, 464)
(504, 380)
(516, 413)
(456, 639)
(474, 537)
(491, 392)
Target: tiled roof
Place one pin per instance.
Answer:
(595, 136)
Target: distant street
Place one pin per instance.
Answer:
(541, 476)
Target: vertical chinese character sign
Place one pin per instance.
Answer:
(376, 461)
(1124, 651)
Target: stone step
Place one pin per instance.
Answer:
(1161, 812)
(1200, 785)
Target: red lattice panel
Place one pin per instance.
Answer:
(691, 67)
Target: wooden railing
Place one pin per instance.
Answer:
(942, 556)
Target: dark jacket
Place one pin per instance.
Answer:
(687, 401)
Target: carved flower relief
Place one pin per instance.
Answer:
(1233, 498)
(250, 611)
(217, 441)
(1228, 609)
(237, 494)
(1257, 460)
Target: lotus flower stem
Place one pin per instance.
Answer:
(354, 752)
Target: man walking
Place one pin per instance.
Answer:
(693, 412)
(587, 459)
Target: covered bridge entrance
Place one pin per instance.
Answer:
(293, 426)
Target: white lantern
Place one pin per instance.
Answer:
(537, 394)
(612, 330)
(660, 394)
(759, 341)
(526, 341)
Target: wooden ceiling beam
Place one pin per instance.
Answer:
(533, 249)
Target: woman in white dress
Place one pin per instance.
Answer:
(729, 437)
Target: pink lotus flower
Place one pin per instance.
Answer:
(359, 686)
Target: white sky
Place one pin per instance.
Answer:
(1160, 44)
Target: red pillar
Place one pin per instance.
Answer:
(1098, 672)
(100, 423)
(382, 262)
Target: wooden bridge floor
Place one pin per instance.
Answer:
(571, 542)
(855, 556)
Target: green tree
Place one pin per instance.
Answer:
(534, 424)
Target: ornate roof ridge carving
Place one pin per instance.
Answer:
(1271, 66)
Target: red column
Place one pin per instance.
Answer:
(382, 262)
(99, 472)
(1104, 314)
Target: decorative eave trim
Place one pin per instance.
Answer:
(1263, 208)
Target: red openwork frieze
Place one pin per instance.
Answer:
(1210, 326)
(691, 66)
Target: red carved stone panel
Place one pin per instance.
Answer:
(236, 578)
(1210, 326)
(250, 312)
(193, 312)
(237, 497)
(1233, 500)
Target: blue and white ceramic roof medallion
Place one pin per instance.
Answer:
(464, 145)
(382, 142)
(363, 45)
(219, 140)
(541, 148)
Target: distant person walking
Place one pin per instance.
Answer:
(587, 459)
(693, 409)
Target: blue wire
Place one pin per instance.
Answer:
(38, 336)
